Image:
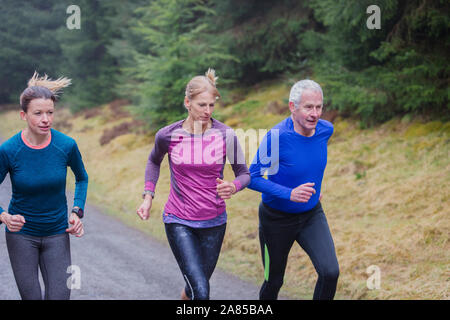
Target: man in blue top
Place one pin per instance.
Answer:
(293, 154)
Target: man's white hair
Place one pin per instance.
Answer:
(297, 89)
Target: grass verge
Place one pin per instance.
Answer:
(386, 197)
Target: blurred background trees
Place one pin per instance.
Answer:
(146, 51)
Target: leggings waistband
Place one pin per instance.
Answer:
(273, 217)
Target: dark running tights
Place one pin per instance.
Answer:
(277, 233)
(52, 256)
(196, 251)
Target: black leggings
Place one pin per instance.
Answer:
(278, 231)
(196, 251)
(51, 254)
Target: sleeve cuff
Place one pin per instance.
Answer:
(78, 204)
(238, 185)
(288, 194)
(149, 186)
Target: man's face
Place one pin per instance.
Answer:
(307, 115)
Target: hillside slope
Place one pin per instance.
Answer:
(386, 195)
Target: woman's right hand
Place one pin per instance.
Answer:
(144, 210)
(14, 223)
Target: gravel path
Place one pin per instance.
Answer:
(119, 262)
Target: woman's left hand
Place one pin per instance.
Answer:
(225, 189)
(77, 226)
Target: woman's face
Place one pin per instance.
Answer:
(39, 116)
(201, 106)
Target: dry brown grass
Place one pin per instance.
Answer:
(386, 196)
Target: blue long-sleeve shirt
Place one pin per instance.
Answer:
(289, 160)
(38, 179)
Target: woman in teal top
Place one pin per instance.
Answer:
(37, 228)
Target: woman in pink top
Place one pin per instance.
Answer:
(194, 215)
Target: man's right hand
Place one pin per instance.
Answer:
(14, 223)
(303, 192)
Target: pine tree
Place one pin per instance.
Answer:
(27, 43)
(175, 45)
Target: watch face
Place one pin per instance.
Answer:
(79, 212)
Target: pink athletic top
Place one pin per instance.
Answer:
(195, 162)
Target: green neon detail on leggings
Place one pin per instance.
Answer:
(266, 263)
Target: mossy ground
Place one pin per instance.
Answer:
(385, 193)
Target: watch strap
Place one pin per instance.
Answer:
(79, 212)
(152, 193)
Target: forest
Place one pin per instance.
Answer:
(383, 66)
(145, 51)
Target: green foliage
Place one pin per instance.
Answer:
(263, 36)
(27, 44)
(246, 106)
(34, 36)
(147, 50)
(86, 59)
(348, 41)
(377, 74)
(178, 46)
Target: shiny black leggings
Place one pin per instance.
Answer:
(196, 251)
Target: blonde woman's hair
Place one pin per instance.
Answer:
(200, 84)
(42, 88)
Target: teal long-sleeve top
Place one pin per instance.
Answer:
(38, 179)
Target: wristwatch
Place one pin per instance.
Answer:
(152, 193)
(79, 212)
